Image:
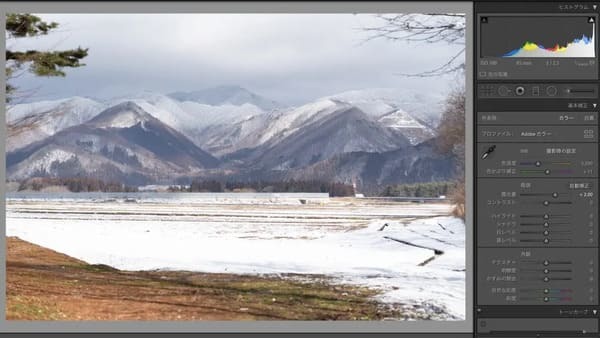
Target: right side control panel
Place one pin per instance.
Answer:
(536, 169)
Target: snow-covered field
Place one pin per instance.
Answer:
(345, 239)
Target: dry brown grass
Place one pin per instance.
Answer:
(457, 196)
(46, 285)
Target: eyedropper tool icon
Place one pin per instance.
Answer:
(488, 152)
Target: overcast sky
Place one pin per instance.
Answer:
(291, 58)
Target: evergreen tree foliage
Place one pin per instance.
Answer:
(40, 63)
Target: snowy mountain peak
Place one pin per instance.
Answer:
(222, 95)
(122, 115)
(79, 100)
(31, 122)
(149, 96)
(399, 119)
(73, 105)
(380, 101)
(409, 126)
(142, 136)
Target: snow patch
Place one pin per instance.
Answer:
(373, 101)
(44, 163)
(300, 239)
(287, 122)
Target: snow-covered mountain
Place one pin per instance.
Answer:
(190, 115)
(420, 163)
(257, 130)
(123, 143)
(343, 130)
(17, 111)
(160, 106)
(409, 113)
(226, 95)
(424, 107)
(195, 120)
(150, 137)
(406, 124)
(28, 123)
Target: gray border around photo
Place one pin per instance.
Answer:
(254, 326)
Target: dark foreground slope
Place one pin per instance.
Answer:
(45, 285)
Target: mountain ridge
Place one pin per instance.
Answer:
(121, 142)
(226, 94)
(150, 137)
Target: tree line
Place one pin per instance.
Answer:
(76, 184)
(428, 189)
(335, 189)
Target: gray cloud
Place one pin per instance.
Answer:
(292, 58)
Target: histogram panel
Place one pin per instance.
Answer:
(538, 37)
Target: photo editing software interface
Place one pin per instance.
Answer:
(359, 169)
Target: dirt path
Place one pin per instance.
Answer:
(45, 285)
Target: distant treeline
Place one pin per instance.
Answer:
(428, 189)
(75, 184)
(334, 189)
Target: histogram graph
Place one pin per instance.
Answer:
(538, 36)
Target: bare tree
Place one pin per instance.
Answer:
(451, 140)
(424, 28)
(447, 28)
(451, 129)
